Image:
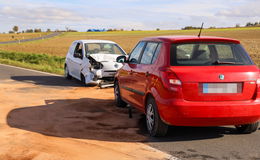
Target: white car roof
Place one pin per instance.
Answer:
(95, 41)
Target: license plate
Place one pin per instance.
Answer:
(221, 88)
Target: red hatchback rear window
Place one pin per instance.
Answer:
(208, 54)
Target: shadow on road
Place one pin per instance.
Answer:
(194, 133)
(99, 119)
(78, 118)
(48, 81)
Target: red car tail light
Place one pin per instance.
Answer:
(258, 83)
(257, 92)
(169, 78)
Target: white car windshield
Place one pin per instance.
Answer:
(103, 48)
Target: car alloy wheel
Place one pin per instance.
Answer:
(116, 92)
(150, 117)
(118, 100)
(155, 126)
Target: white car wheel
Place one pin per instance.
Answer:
(67, 73)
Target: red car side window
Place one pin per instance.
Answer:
(149, 52)
(135, 54)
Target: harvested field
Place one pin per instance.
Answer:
(249, 37)
(20, 36)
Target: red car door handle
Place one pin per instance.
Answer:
(147, 74)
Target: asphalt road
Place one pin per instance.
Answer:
(36, 77)
(208, 143)
(32, 39)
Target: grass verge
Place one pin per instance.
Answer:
(40, 62)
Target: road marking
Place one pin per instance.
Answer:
(57, 75)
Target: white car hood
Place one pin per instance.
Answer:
(108, 61)
(105, 57)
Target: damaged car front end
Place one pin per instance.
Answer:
(93, 61)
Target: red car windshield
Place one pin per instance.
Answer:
(208, 54)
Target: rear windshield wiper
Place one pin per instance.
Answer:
(224, 62)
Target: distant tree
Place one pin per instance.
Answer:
(121, 29)
(190, 27)
(212, 27)
(11, 32)
(29, 30)
(15, 28)
(249, 24)
(132, 29)
(72, 30)
(109, 30)
(67, 29)
(237, 25)
(157, 29)
(48, 30)
(37, 30)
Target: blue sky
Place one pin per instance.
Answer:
(126, 14)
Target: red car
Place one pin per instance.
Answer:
(190, 81)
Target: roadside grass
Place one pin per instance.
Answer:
(40, 62)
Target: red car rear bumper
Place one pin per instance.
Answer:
(186, 113)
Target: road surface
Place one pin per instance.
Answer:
(33, 39)
(187, 143)
(45, 117)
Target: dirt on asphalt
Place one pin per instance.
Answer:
(70, 123)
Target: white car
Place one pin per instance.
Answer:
(92, 61)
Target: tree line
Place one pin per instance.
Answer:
(248, 24)
(256, 24)
(15, 29)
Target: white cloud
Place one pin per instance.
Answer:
(250, 9)
(127, 14)
(39, 14)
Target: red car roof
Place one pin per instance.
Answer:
(186, 39)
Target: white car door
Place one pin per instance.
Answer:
(70, 57)
(77, 61)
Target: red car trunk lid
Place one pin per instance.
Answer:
(217, 83)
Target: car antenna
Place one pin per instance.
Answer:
(201, 29)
